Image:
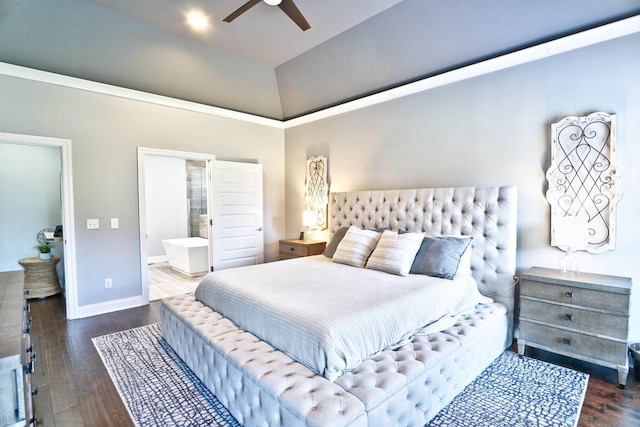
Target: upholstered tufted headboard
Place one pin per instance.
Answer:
(487, 214)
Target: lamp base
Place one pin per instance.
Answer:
(568, 263)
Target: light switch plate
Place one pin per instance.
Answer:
(115, 223)
(93, 224)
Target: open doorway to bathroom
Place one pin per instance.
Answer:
(173, 224)
(176, 221)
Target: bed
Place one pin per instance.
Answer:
(408, 363)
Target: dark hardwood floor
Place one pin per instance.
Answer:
(75, 388)
(73, 385)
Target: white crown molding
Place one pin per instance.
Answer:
(586, 38)
(91, 86)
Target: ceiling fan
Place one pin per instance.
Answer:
(287, 7)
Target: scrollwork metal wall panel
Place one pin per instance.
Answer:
(584, 177)
(317, 190)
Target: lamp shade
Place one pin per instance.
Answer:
(273, 2)
(571, 231)
(309, 218)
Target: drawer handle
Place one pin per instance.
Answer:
(569, 294)
(568, 317)
(291, 249)
(566, 341)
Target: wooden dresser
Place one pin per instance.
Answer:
(296, 248)
(16, 355)
(584, 316)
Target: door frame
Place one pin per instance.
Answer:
(66, 190)
(142, 205)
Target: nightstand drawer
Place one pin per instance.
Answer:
(295, 248)
(574, 344)
(575, 318)
(576, 296)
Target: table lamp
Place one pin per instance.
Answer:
(308, 220)
(572, 233)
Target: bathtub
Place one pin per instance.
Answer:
(188, 256)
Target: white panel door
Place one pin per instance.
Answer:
(236, 214)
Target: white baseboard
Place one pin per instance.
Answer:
(108, 307)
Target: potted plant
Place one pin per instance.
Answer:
(45, 250)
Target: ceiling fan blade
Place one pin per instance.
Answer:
(292, 11)
(242, 9)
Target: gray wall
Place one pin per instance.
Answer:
(29, 200)
(105, 133)
(489, 130)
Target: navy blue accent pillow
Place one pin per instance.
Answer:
(440, 256)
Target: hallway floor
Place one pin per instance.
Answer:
(165, 282)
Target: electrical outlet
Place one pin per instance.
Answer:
(108, 283)
(93, 224)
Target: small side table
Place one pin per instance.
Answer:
(296, 248)
(40, 277)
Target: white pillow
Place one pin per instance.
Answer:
(395, 252)
(356, 246)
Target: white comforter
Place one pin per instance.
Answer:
(328, 316)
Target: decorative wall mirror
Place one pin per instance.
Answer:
(584, 181)
(317, 191)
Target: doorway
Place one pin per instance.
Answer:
(174, 200)
(67, 247)
(234, 217)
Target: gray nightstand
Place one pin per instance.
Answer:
(584, 316)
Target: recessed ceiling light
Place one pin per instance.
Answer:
(197, 20)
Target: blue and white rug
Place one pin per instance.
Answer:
(518, 391)
(158, 389)
(156, 386)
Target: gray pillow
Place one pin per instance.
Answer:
(440, 256)
(330, 250)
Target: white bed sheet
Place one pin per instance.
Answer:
(331, 317)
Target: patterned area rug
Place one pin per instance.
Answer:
(518, 391)
(156, 386)
(160, 390)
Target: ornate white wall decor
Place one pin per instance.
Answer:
(317, 190)
(584, 177)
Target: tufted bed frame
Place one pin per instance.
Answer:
(262, 386)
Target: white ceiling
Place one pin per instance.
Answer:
(264, 33)
(262, 63)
